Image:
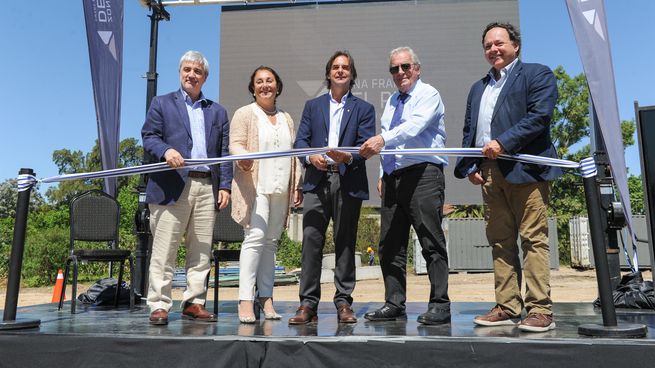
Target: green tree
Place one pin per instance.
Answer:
(128, 199)
(637, 199)
(570, 122)
(9, 198)
(67, 161)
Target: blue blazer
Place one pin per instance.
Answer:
(167, 126)
(357, 125)
(520, 122)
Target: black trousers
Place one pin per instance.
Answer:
(413, 196)
(327, 201)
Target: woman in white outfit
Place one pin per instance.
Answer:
(262, 190)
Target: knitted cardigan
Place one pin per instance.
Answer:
(244, 138)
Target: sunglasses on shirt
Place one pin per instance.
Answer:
(396, 68)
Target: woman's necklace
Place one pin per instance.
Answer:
(268, 112)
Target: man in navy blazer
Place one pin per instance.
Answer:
(184, 125)
(334, 186)
(509, 111)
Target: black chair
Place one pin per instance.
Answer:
(95, 217)
(226, 230)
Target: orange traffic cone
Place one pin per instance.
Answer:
(59, 284)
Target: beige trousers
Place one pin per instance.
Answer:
(192, 216)
(513, 210)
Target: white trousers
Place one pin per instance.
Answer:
(257, 261)
(193, 216)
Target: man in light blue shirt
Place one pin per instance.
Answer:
(197, 124)
(412, 189)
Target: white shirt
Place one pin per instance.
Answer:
(336, 113)
(274, 173)
(488, 104)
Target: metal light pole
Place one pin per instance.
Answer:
(142, 215)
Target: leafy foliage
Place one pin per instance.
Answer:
(130, 154)
(45, 252)
(467, 211)
(9, 198)
(288, 251)
(637, 199)
(570, 122)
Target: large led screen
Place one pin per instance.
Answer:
(297, 40)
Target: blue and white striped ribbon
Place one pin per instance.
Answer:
(28, 181)
(588, 167)
(25, 182)
(472, 152)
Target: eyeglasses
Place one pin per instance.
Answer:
(396, 68)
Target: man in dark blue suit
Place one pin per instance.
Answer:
(509, 111)
(184, 125)
(334, 186)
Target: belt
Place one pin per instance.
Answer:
(200, 174)
(332, 168)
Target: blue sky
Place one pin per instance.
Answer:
(46, 102)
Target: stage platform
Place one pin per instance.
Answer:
(102, 337)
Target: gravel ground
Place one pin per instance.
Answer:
(568, 285)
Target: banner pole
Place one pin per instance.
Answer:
(142, 215)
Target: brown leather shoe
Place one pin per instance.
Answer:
(345, 314)
(159, 317)
(197, 312)
(304, 315)
(537, 322)
(495, 317)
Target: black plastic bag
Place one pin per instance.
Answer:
(633, 292)
(104, 291)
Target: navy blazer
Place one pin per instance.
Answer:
(357, 125)
(167, 126)
(520, 123)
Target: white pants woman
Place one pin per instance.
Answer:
(257, 262)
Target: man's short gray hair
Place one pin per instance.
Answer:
(195, 57)
(407, 49)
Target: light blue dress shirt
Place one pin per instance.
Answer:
(197, 122)
(422, 125)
